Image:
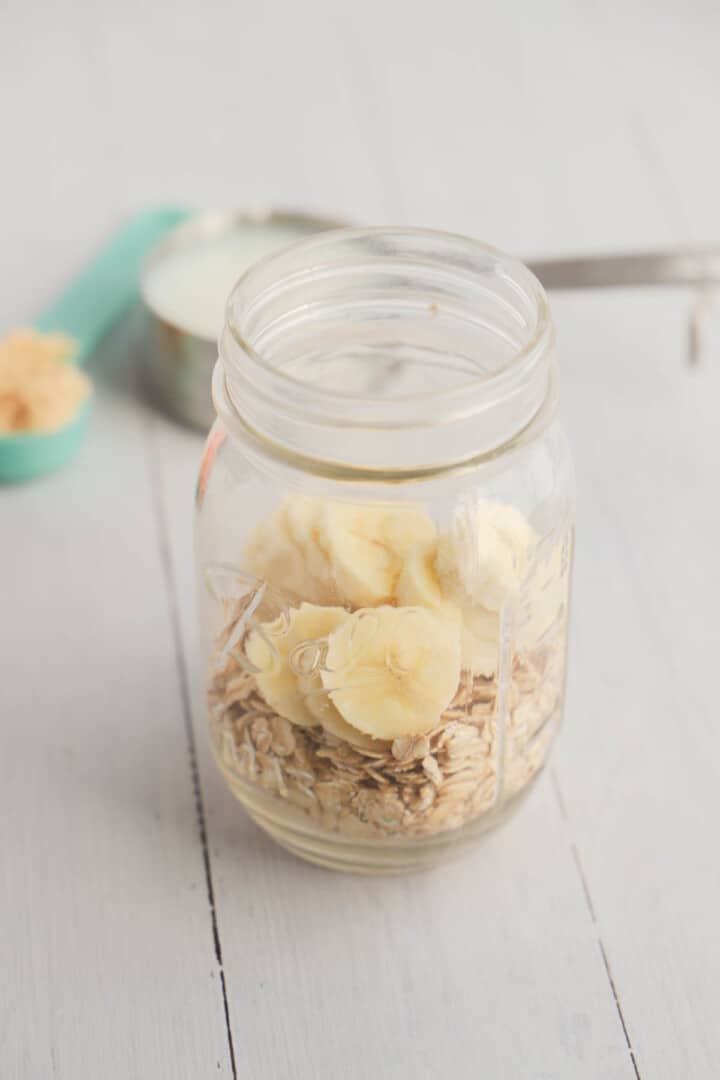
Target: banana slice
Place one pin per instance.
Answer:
(480, 640)
(367, 546)
(272, 557)
(284, 550)
(391, 671)
(486, 556)
(279, 651)
(329, 552)
(326, 714)
(419, 584)
(317, 700)
(304, 518)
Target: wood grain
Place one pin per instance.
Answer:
(106, 943)
(638, 765)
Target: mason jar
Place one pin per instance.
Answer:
(384, 544)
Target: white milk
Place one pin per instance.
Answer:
(190, 286)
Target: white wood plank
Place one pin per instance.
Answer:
(254, 106)
(487, 964)
(62, 191)
(663, 60)
(107, 958)
(523, 124)
(638, 765)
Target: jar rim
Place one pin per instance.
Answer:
(465, 272)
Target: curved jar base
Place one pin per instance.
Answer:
(335, 851)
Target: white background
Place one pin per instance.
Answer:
(580, 942)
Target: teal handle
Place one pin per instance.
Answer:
(109, 284)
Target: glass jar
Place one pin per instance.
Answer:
(384, 537)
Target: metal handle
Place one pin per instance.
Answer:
(693, 267)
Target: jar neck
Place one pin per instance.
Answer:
(385, 350)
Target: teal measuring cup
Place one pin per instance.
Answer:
(85, 312)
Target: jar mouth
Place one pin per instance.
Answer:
(435, 346)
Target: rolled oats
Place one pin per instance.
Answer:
(413, 786)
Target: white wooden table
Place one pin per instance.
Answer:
(147, 929)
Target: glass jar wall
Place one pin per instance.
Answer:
(384, 536)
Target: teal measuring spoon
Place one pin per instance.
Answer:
(85, 311)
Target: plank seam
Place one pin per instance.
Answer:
(181, 666)
(591, 910)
